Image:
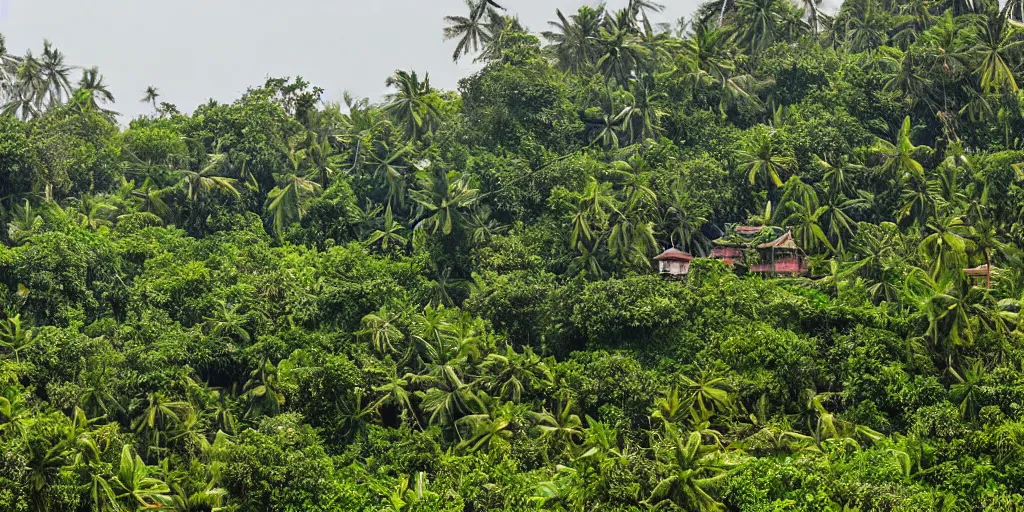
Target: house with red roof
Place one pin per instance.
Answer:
(674, 263)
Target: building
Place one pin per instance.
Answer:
(674, 263)
(732, 248)
(729, 254)
(981, 275)
(781, 257)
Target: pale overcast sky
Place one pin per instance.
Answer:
(193, 50)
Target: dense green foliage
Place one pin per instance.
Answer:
(445, 301)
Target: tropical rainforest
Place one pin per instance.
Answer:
(445, 300)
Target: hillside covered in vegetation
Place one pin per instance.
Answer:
(446, 300)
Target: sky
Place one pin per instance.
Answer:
(194, 50)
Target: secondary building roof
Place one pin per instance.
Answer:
(674, 254)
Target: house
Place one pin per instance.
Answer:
(732, 248)
(729, 254)
(781, 257)
(674, 263)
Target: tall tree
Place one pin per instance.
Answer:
(574, 40)
(287, 202)
(694, 469)
(899, 159)
(946, 247)
(408, 104)
(471, 30)
(444, 201)
(641, 118)
(762, 158)
(150, 96)
(92, 93)
(761, 23)
(998, 40)
(623, 53)
(56, 73)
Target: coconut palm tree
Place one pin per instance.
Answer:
(409, 106)
(396, 393)
(1015, 10)
(389, 236)
(132, 487)
(641, 119)
(319, 155)
(593, 211)
(197, 185)
(95, 212)
(444, 201)
(762, 158)
(92, 92)
(159, 415)
(622, 50)
(471, 31)
(709, 54)
(899, 159)
(805, 216)
(631, 239)
(915, 17)
(693, 469)
(985, 236)
(574, 40)
(152, 200)
(483, 227)
(681, 219)
(946, 247)
(837, 219)
(865, 27)
(26, 88)
(706, 395)
(390, 168)
(55, 72)
(512, 375)
(263, 390)
(604, 129)
(494, 423)
(905, 74)
(287, 202)
(503, 31)
(196, 495)
(382, 328)
(150, 96)
(447, 395)
(760, 23)
(228, 321)
(998, 42)
(967, 392)
(21, 103)
(945, 309)
(31, 78)
(943, 45)
(8, 70)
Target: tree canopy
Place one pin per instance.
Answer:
(445, 300)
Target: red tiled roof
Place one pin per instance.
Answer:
(783, 242)
(749, 230)
(675, 255)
